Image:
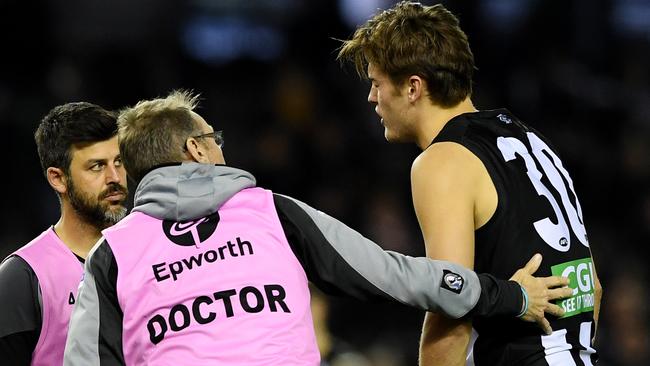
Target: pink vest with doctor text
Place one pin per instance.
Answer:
(225, 289)
(59, 273)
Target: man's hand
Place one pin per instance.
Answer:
(541, 291)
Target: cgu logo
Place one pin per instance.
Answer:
(584, 275)
(581, 279)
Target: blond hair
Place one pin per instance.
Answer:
(153, 132)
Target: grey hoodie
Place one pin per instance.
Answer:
(188, 191)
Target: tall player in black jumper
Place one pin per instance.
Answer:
(488, 190)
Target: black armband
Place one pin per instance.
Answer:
(498, 298)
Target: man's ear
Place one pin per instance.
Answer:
(415, 88)
(57, 179)
(196, 151)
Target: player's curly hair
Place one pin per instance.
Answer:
(412, 39)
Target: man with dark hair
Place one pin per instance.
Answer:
(488, 190)
(209, 269)
(79, 154)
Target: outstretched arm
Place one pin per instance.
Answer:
(341, 261)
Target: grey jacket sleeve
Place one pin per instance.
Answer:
(341, 261)
(95, 331)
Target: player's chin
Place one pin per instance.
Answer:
(393, 136)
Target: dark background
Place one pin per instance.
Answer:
(578, 71)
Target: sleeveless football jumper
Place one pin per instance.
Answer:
(538, 212)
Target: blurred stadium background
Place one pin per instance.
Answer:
(578, 70)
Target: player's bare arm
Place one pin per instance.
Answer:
(453, 196)
(444, 183)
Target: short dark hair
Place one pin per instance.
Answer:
(69, 124)
(412, 39)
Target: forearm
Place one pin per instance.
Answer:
(498, 297)
(444, 341)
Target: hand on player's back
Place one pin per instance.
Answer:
(542, 291)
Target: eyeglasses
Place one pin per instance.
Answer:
(216, 135)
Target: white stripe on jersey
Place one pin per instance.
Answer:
(585, 341)
(557, 349)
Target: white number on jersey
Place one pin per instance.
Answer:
(555, 235)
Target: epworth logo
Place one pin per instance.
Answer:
(188, 233)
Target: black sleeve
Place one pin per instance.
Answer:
(322, 264)
(498, 297)
(20, 312)
(95, 334)
(340, 261)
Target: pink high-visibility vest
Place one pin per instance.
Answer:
(223, 289)
(59, 273)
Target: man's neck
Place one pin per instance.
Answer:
(76, 233)
(433, 118)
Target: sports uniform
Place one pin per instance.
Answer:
(537, 212)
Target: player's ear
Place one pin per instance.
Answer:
(57, 179)
(415, 86)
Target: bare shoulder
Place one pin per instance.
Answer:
(446, 161)
(449, 173)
